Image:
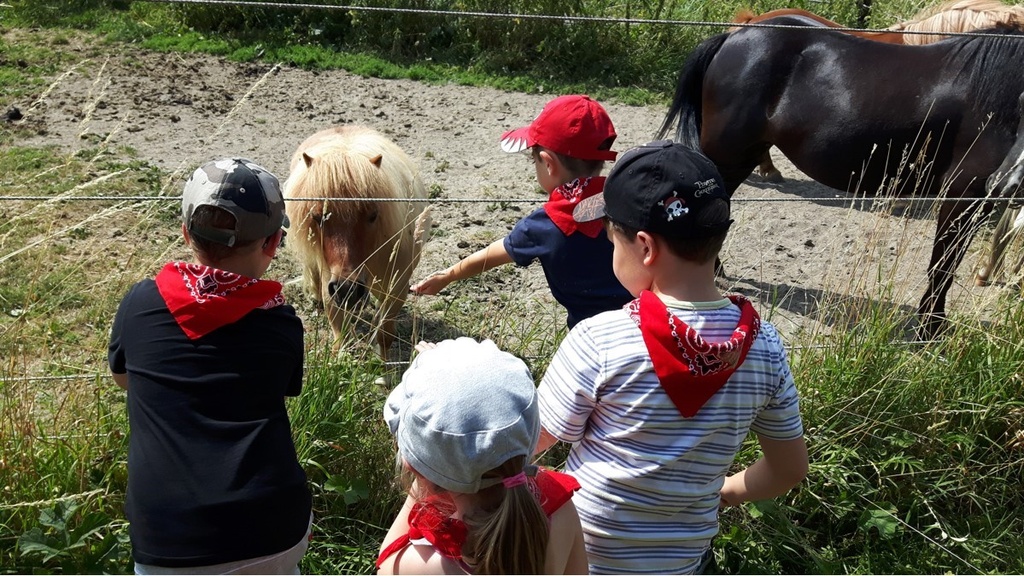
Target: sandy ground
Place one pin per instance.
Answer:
(788, 252)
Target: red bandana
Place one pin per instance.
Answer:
(202, 299)
(426, 522)
(564, 198)
(691, 370)
(447, 534)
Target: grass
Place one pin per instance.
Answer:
(917, 450)
(638, 64)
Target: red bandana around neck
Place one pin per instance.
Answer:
(426, 522)
(447, 535)
(202, 298)
(565, 197)
(690, 369)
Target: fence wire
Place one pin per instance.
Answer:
(851, 198)
(558, 17)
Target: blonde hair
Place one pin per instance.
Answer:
(959, 16)
(510, 536)
(507, 534)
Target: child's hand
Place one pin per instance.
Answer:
(423, 346)
(432, 284)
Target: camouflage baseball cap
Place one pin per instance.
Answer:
(249, 192)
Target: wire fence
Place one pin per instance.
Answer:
(837, 198)
(554, 17)
(790, 348)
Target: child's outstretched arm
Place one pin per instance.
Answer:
(783, 466)
(477, 262)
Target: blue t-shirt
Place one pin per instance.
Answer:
(578, 268)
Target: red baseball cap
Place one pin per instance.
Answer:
(572, 125)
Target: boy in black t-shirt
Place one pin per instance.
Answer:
(207, 352)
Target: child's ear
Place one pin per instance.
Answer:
(272, 243)
(650, 247)
(551, 163)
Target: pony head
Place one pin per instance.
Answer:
(355, 230)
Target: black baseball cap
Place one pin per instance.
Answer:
(660, 187)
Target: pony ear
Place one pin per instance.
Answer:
(376, 160)
(307, 159)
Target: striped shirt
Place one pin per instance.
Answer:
(651, 477)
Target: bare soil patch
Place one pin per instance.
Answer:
(788, 252)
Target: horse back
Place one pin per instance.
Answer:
(847, 110)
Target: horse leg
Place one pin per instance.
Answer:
(958, 221)
(311, 281)
(1012, 273)
(1000, 239)
(767, 170)
(337, 319)
(385, 336)
(387, 313)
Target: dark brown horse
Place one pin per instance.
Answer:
(863, 117)
(953, 16)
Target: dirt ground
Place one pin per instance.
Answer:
(788, 252)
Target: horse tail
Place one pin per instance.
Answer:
(686, 105)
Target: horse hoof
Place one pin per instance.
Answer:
(981, 278)
(774, 177)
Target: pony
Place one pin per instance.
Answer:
(1007, 228)
(1006, 181)
(954, 16)
(925, 120)
(361, 235)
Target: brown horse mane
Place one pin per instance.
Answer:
(747, 16)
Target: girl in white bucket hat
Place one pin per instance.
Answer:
(465, 420)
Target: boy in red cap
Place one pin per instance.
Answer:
(570, 141)
(658, 397)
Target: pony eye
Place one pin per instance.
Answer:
(372, 217)
(318, 218)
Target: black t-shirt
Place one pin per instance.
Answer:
(212, 471)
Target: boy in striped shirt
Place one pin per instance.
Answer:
(658, 397)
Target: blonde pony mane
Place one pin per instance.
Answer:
(959, 16)
(354, 162)
(345, 165)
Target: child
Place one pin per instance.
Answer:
(465, 419)
(570, 141)
(207, 353)
(658, 397)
